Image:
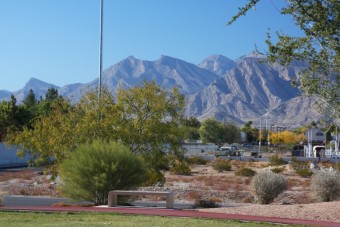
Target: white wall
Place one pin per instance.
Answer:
(8, 156)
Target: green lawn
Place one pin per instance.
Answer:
(19, 218)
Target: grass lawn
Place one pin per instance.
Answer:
(20, 218)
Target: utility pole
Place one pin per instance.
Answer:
(100, 51)
(267, 118)
(260, 134)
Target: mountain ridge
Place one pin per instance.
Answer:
(218, 87)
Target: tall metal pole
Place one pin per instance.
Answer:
(100, 51)
(260, 134)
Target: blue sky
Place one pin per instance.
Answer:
(57, 41)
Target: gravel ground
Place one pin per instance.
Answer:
(189, 188)
(326, 211)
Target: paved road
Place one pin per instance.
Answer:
(30, 201)
(39, 201)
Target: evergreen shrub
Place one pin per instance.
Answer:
(97, 168)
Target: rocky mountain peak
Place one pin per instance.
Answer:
(218, 64)
(218, 87)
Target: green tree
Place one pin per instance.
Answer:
(95, 169)
(191, 122)
(12, 117)
(30, 100)
(319, 47)
(44, 106)
(149, 117)
(213, 131)
(30, 103)
(51, 94)
(191, 127)
(249, 130)
(6, 117)
(143, 118)
(50, 136)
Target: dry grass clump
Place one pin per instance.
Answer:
(238, 164)
(278, 169)
(245, 172)
(221, 165)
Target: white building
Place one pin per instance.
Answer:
(315, 136)
(199, 148)
(8, 157)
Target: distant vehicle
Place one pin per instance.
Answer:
(228, 151)
(247, 145)
(298, 150)
(335, 157)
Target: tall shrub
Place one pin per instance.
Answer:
(99, 167)
(266, 186)
(326, 185)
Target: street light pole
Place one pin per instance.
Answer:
(100, 51)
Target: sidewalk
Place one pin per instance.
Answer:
(173, 213)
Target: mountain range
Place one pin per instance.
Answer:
(234, 91)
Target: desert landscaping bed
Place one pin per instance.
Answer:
(227, 190)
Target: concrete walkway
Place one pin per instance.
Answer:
(172, 213)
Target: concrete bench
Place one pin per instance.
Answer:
(112, 199)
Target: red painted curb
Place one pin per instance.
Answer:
(174, 213)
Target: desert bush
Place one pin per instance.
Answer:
(297, 164)
(245, 172)
(304, 172)
(99, 167)
(197, 160)
(266, 186)
(275, 160)
(326, 185)
(154, 177)
(180, 168)
(278, 170)
(221, 165)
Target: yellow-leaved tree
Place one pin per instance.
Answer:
(286, 138)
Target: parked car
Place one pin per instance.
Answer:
(228, 151)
